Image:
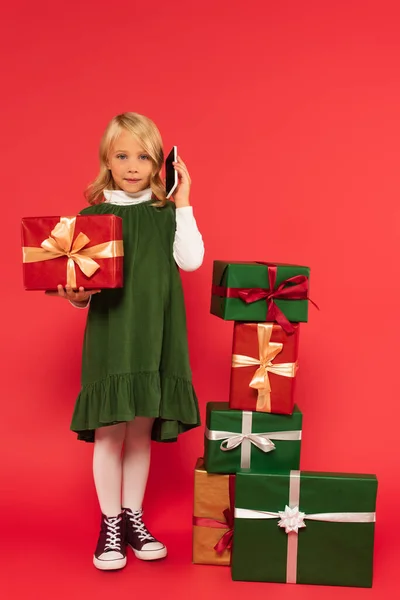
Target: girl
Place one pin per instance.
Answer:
(136, 378)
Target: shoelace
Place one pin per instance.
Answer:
(113, 534)
(138, 525)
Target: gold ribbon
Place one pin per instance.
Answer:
(60, 244)
(267, 352)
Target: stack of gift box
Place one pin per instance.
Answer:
(253, 508)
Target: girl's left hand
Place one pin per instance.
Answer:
(182, 192)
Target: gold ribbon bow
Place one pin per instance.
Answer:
(267, 352)
(60, 244)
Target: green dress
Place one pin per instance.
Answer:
(135, 359)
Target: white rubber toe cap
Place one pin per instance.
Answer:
(109, 561)
(151, 551)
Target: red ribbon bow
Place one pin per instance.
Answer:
(294, 288)
(225, 542)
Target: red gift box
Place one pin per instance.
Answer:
(86, 251)
(264, 365)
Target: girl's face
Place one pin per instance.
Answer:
(130, 165)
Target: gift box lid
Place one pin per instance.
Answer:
(220, 417)
(320, 492)
(252, 274)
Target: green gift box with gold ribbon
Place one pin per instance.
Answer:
(264, 442)
(304, 527)
(257, 291)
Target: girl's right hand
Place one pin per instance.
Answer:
(68, 293)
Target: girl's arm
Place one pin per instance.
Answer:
(188, 248)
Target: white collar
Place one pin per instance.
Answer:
(125, 199)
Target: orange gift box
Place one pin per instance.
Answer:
(264, 366)
(86, 251)
(213, 517)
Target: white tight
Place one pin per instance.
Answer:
(121, 477)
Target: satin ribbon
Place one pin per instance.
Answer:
(246, 439)
(225, 542)
(291, 519)
(294, 288)
(60, 243)
(267, 352)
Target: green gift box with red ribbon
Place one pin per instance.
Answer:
(257, 291)
(304, 527)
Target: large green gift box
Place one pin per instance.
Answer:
(251, 291)
(264, 442)
(303, 527)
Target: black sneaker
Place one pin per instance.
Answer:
(138, 537)
(110, 551)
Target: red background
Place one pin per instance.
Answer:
(287, 114)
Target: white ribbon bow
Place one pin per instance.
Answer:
(261, 440)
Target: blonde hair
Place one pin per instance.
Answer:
(147, 134)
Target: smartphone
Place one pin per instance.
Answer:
(171, 175)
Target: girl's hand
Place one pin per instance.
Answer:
(69, 294)
(182, 192)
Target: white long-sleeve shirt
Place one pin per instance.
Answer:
(188, 246)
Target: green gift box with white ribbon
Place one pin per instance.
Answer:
(239, 439)
(304, 527)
